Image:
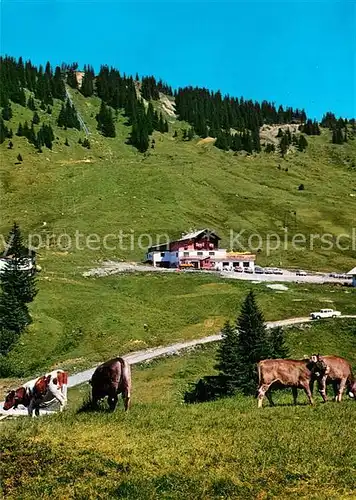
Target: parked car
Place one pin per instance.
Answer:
(268, 270)
(277, 271)
(248, 270)
(301, 273)
(259, 270)
(238, 269)
(325, 313)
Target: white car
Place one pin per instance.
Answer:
(301, 273)
(325, 313)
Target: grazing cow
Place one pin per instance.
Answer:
(111, 379)
(40, 392)
(338, 374)
(296, 374)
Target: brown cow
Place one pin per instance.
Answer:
(111, 379)
(338, 374)
(296, 374)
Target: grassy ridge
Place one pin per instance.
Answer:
(176, 186)
(165, 450)
(78, 321)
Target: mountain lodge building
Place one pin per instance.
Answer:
(198, 250)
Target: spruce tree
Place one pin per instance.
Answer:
(35, 118)
(19, 157)
(4, 133)
(15, 281)
(31, 104)
(7, 112)
(302, 143)
(243, 347)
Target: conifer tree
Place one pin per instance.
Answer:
(19, 157)
(31, 103)
(3, 131)
(7, 112)
(302, 143)
(243, 347)
(35, 118)
(18, 288)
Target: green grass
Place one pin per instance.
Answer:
(79, 321)
(163, 449)
(176, 186)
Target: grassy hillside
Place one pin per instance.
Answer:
(164, 449)
(175, 186)
(78, 321)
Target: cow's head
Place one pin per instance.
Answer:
(15, 398)
(317, 366)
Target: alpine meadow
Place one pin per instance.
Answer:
(99, 167)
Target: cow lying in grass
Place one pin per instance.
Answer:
(297, 374)
(338, 374)
(40, 392)
(111, 379)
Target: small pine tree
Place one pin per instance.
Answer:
(302, 143)
(35, 118)
(243, 347)
(10, 145)
(19, 132)
(31, 104)
(7, 112)
(19, 157)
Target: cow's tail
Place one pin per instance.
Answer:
(125, 381)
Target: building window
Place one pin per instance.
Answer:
(211, 253)
(162, 254)
(199, 253)
(225, 263)
(246, 264)
(186, 254)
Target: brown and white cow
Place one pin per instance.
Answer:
(281, 373)
(40, 392)
(338, 374)
(111, 379)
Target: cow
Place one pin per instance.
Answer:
(338, 374)
(40, 392)
(280, 373)
(111, 379)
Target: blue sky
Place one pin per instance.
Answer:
(301, 54)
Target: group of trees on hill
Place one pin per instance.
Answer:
(43, 137)
(212, 114)
(288, 139)
(17, 290)
(338, 127)
(68, 117)
(310, 128)
(234, 122)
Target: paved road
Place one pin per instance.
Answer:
(156, 352)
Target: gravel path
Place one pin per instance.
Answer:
(156, 352)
